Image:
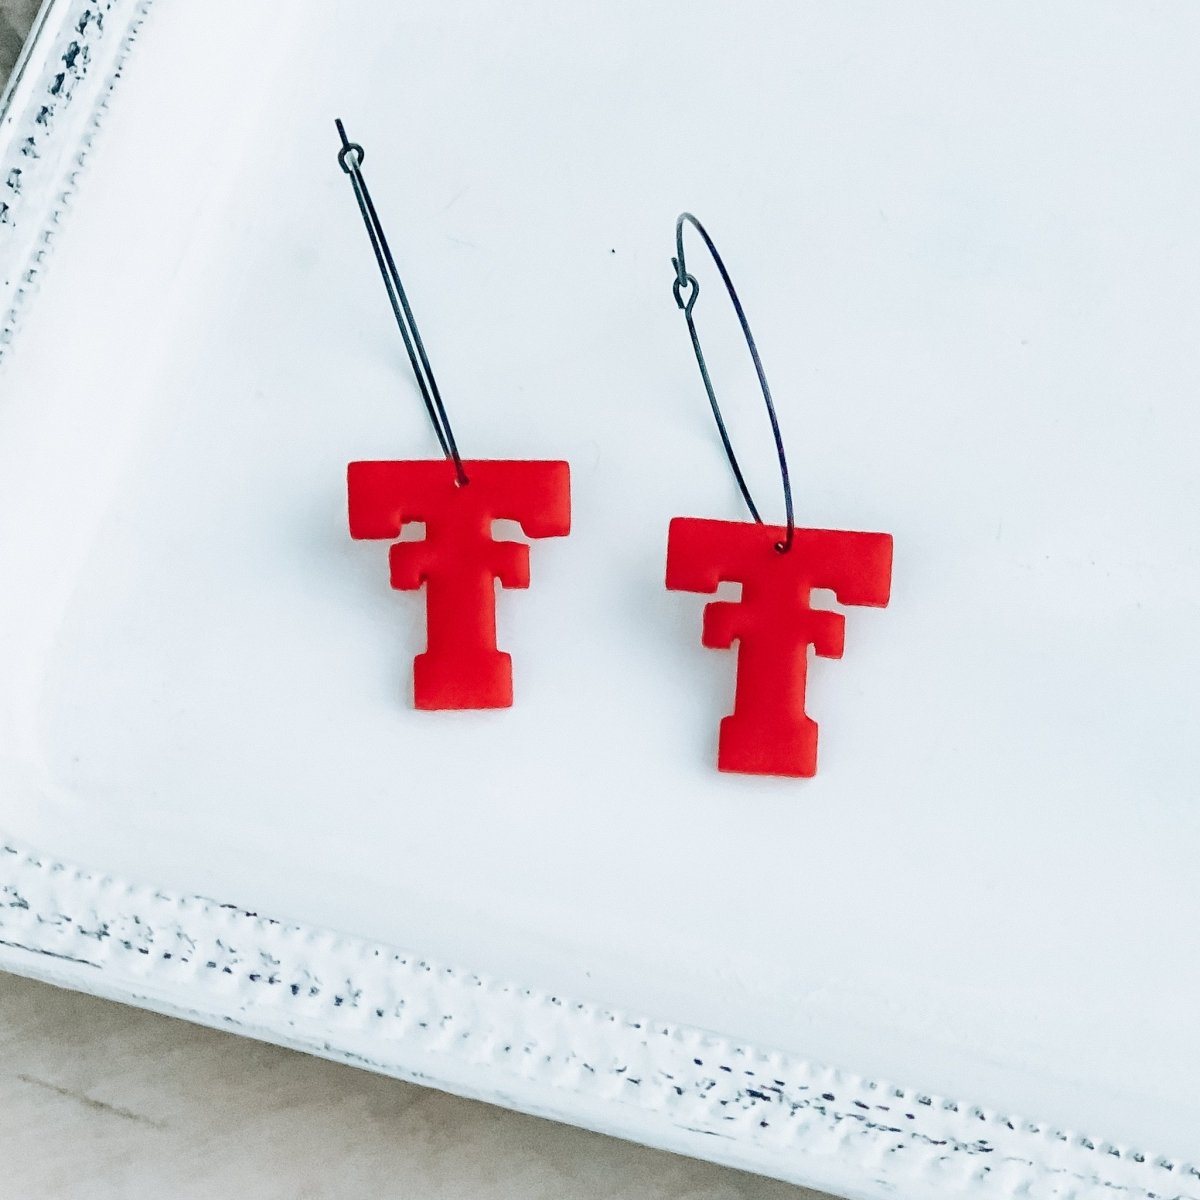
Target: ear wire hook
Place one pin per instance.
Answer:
(686, 291)
(350, 158)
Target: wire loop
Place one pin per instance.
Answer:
(684, 282)
(350, 158)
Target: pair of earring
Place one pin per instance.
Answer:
(458, 561)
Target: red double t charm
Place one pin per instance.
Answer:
(769, 731)
(458, 561)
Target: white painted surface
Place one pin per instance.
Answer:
(966, 240)
(637, 1075)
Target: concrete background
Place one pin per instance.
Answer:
(104, 1102)
(16, 17)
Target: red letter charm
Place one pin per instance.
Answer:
(769, 732)
(458, 560)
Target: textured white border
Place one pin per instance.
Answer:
(50, 112)
(646, 1079)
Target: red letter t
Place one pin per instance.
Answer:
(458, 560)
(769, 732)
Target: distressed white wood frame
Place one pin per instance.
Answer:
(646, 1078)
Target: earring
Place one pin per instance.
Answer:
(769, 731)
(458, 560)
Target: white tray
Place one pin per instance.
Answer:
(967, 240)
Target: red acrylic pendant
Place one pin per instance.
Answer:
(769, 732)
(458, 560)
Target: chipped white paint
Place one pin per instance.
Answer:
(637, 1076)
(49, 114)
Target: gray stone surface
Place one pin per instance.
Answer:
(16, 16)
(105, 1102)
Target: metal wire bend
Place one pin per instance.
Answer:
(687, 290)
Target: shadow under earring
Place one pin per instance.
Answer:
(769, 732)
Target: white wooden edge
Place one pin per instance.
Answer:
(645, 1078)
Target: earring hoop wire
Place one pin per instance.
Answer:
(686, 290)
(350, 158)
